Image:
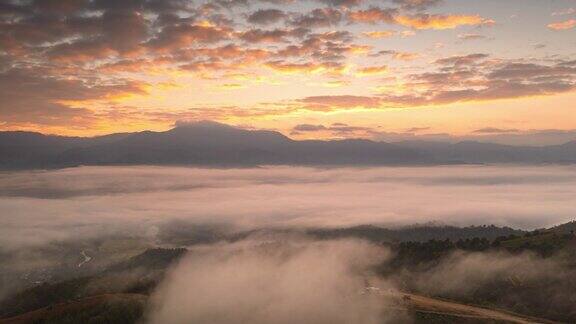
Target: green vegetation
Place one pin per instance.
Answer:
(118, 293)
(139, 274)
(550, 296)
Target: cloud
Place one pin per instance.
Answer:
(430, 21)
(380, 34)
(493, 130)
(470, 36)
(388, 34)
(401, 56)
(266, 16)
(285, 278)
(489, 80)
(271, 36)
(376, 15)
(328, 47)
(308, 128)
(462, 60)
(59, 7)
(343, 3)
(417, 4)
(336, 129)
(319, 17)
(373, 70)
(81, 51)
(28, 95)
(568, 11)
(342, 101)
(462, 274)
(564, 25)
(373, 15)
(417, 129)
(117, 47)
(41, 208)
(308, 67)
(178, 36)
(272, 280)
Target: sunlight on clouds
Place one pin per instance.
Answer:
(126, 66)
(564, 25)
(442, 22)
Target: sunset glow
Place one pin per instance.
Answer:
(309, 69)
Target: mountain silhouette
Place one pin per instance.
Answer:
(209, 143)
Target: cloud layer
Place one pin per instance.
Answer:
(51, 206)
(78, 66)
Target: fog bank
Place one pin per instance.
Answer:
(276, 281)
(45, 206)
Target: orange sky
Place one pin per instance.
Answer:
(311, 69)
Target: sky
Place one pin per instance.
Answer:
(306, 68)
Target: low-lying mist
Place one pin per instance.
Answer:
(291, 279)
(45, 206)
(46, 212)
(276, 281)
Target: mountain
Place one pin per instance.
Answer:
(472, 152)
(203, 143)
(209, 143)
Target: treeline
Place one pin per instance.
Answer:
(417, 233)
(550, 296)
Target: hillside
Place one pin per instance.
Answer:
(117, 293)
(109, 308)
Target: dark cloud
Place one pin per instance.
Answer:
(89, 43)
(336, 129)
(308, 128)
(374, 15)
(493, 130)
(417, 4)
(342, 101)
(28, 95)
(320, 17)
(343, 3)
(81, 51)
(59, 6)
(270, 36)
(324, 47)
(266, 16)
(397, 55)
(472, 78)
(178, 36)
(462, 60)
(532, 70)
(417, 129)
(155, 6)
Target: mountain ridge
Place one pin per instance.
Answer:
(208, 143)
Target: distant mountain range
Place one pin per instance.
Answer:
(213, 144)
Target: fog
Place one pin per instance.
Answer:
(279, 281)
(299, 280)
(39, 207)
(47, 216)
(462, 273)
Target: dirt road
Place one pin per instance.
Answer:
(436, 306)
